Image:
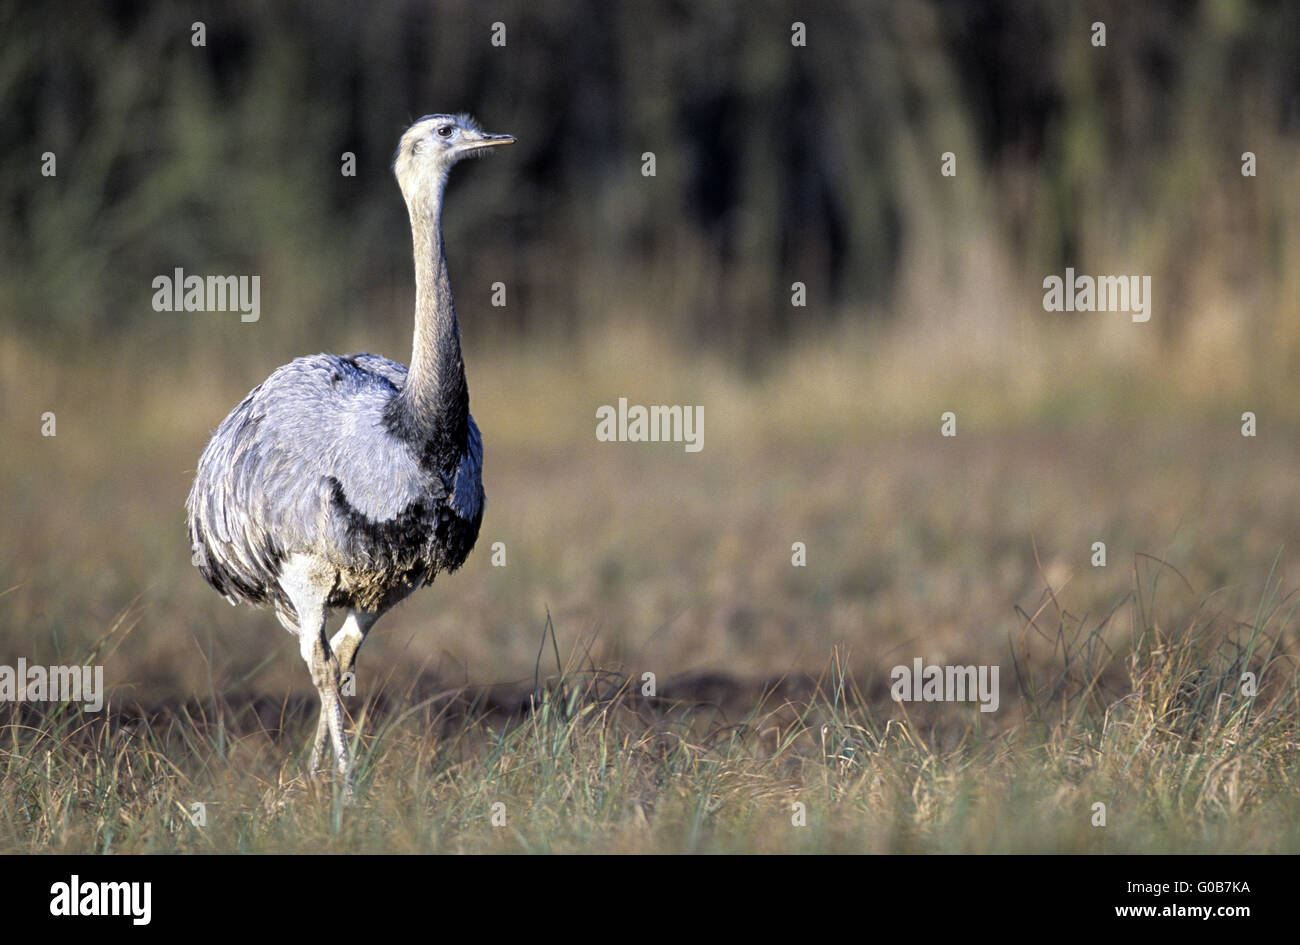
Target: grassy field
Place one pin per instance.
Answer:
(1120, 685)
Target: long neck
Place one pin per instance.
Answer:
(434, 404)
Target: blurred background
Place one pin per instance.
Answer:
(774, 164)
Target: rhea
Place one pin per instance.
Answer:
(348, 482)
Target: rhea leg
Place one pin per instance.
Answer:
(318, 743)
(344, 646)
(351, 635)
(308, 582)
(325, 676)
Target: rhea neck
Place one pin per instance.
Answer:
(433, 405)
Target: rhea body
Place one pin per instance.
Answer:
(348, 482)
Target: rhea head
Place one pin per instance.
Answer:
(432, 145)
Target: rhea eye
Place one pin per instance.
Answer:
(444, 131)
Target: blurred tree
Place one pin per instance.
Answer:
(775, 163)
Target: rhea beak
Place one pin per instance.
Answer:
(481, 140)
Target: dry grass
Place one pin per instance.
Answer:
(1162, 735)
(1120, 685)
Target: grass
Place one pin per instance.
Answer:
(1159, 730)
(1120, 685)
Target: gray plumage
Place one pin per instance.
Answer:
(348, 482)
